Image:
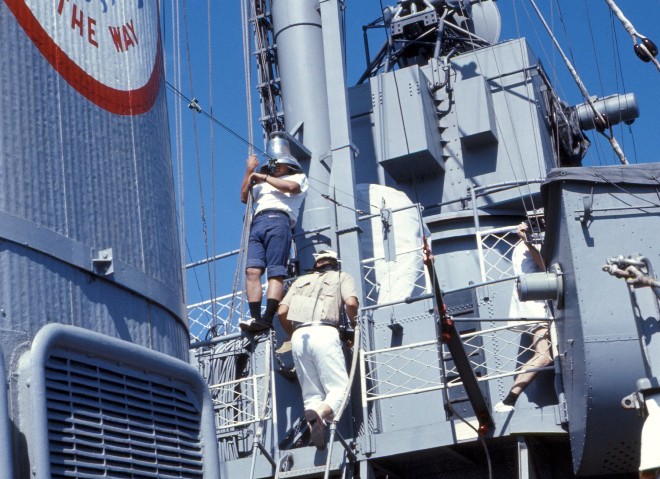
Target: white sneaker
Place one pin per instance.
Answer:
(501, 407)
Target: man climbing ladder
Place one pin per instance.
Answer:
(279, 189)
(311, 314)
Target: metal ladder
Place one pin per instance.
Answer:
(350, 458)
(267, 399)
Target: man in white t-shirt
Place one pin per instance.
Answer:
(526, 258)
(278, 189)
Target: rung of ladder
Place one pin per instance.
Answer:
(310, 472)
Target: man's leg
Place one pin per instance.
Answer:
(542, 357)
(277, 244)
(304, 343)
(253, 287)
(274, 295)
(331, 364)
(254, 269)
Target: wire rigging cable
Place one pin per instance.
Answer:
(599, 118)
(247, 217)
(213, 287)
(646, 50)
(178, 127)
(197, 155)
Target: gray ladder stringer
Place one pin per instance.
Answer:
(268, 398)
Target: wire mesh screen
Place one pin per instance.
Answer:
(238, 385)
(216, 317)
(417, 368)
(219, 316)
(496, 250)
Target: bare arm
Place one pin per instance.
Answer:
(285, 186)
(252, 163)
(282, 313)
(535, 253)
(352, 309)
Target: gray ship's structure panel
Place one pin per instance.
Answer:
(595, 214)
(94, 344)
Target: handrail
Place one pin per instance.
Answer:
(258, 435)
(342, 407)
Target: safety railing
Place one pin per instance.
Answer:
(215, 317)
(496, 246)
(408, 264)
(417, 368)
(241, 390)
(495, 353)
(237, 403)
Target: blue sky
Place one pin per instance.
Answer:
(600, 49)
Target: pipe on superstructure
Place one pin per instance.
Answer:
(299, 38)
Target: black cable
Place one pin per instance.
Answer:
(214, 120)
(238, 136)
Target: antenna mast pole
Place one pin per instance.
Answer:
(601, 121)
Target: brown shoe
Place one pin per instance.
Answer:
(316, 428)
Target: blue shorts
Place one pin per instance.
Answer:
(269, 245)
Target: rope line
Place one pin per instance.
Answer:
(214, 286)
(197, 155)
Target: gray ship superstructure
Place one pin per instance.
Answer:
(448, 142)
(452, 138)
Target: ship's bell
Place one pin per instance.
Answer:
(278, 151)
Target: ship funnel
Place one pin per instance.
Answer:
(615, 108)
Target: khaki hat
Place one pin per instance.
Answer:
(326, 254)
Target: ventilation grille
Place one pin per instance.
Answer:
(622, 456)
(108, 420)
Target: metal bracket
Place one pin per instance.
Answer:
(563, 409)
(389, 246)
(586, 216)
(352, 229)
(556, 269)
(637, 400)
(396, 328)
(103, 262)
(194, 105)
(634, 401)
(299, 151)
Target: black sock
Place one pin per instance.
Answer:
(511, 399)
(255, 309)
(271, 309)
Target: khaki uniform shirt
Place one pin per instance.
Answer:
(318, 297)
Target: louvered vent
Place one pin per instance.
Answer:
(113, 421)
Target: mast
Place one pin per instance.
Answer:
(314, 99)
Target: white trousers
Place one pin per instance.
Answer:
(320, 366)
